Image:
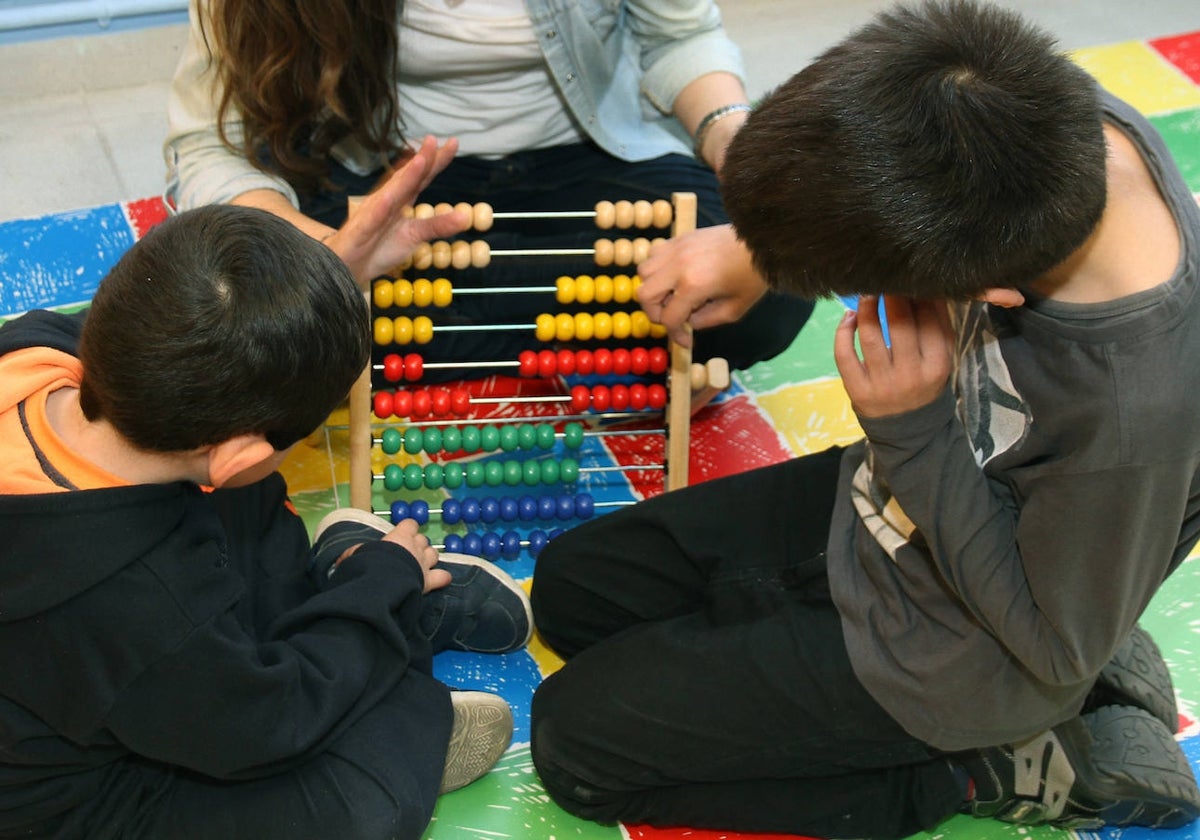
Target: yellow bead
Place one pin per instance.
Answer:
(639, 324)
(402, 293)
(657, 330)
(602, 326)
(604, 288)
(622, 288)
(622, 325)
(403, 327)
(545, 327)
(564, 289)
(443, 292)
(422, 256)
(585, 289)
(381, 294)
(422, 292)
(564, 326)
(584, 326)
(422, 329)
(384, 332)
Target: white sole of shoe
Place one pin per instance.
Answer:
(483, 729)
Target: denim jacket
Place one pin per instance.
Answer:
(620, 64)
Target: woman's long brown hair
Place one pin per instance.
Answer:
(303, 74)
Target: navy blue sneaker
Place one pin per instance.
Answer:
(483, 609)
(1116, 766)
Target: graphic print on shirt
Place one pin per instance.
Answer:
(989, 407)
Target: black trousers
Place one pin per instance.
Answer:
(707, 682)
(573, 177)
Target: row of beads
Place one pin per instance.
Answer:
(491, 509)
(439, 293)
(470, 439)
(444, 402)
(608, 214)
(580, 326)
(475, 474)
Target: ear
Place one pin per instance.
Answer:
(1006, 298)
(236, 455)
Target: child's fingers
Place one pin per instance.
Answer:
(845, 356)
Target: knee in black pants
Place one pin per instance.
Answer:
(552, 757)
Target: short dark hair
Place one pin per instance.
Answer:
(222, 321)
(943, 148)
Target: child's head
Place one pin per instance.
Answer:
(942, 149)
(222, 321)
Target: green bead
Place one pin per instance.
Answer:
(527, 437)
(494, 475)
(573, 435)
(393, 476)
(513, 472)
(470, 439)
(550, 472)
(452, 439)
(413, 440)
(414, 477)
(433, 476)
(545, 436)
(391, 440)
(570, 470)
(533, 473)
(509, 438)
(452, 474)
(475, 474)
(489, 438)
(433, 440)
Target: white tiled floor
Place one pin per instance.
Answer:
(82, 120)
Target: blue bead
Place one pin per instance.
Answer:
(470, 510)
(473, 544)
(537, 541)
(491, 545)
(527, 508)
(451, 511)
(420, 511)
(489, 509)
(453, 544)
(508, 508)
(566, 507)
(399, 511)
(585, 506)
(547, 507)
(510, 544)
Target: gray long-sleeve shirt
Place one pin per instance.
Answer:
(991, 550)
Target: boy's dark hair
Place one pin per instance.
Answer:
(222, 321)
(942, 149)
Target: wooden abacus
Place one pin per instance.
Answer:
(675, 398)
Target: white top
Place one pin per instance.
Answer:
(473, 69)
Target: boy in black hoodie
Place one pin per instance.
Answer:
(175, 660)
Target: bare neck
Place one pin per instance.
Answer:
(1135, 246)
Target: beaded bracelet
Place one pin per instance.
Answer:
(711, 119)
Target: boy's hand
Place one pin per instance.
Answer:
(909, 374)
(380, 234)
(407, 536)
(698, 280)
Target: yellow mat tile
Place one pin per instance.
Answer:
(1136, 73)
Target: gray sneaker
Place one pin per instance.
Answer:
(1116, 766)
(483, 729)
(1138, 676)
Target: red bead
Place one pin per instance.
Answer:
(414, 367)
(585, 362)
(402, 403)
(393, 367)
(620, 397)
(527, 363)
(604, 363)
(440, 401)
(383, 404)
(580, 399)
(566, 362)
(657, 396)
(658, 359)
(638, 396)
(422, 403)
(639, 361)
(601, 397)
(547, 364)
(460, 401)
(621, 361)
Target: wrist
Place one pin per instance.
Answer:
(718, 117)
